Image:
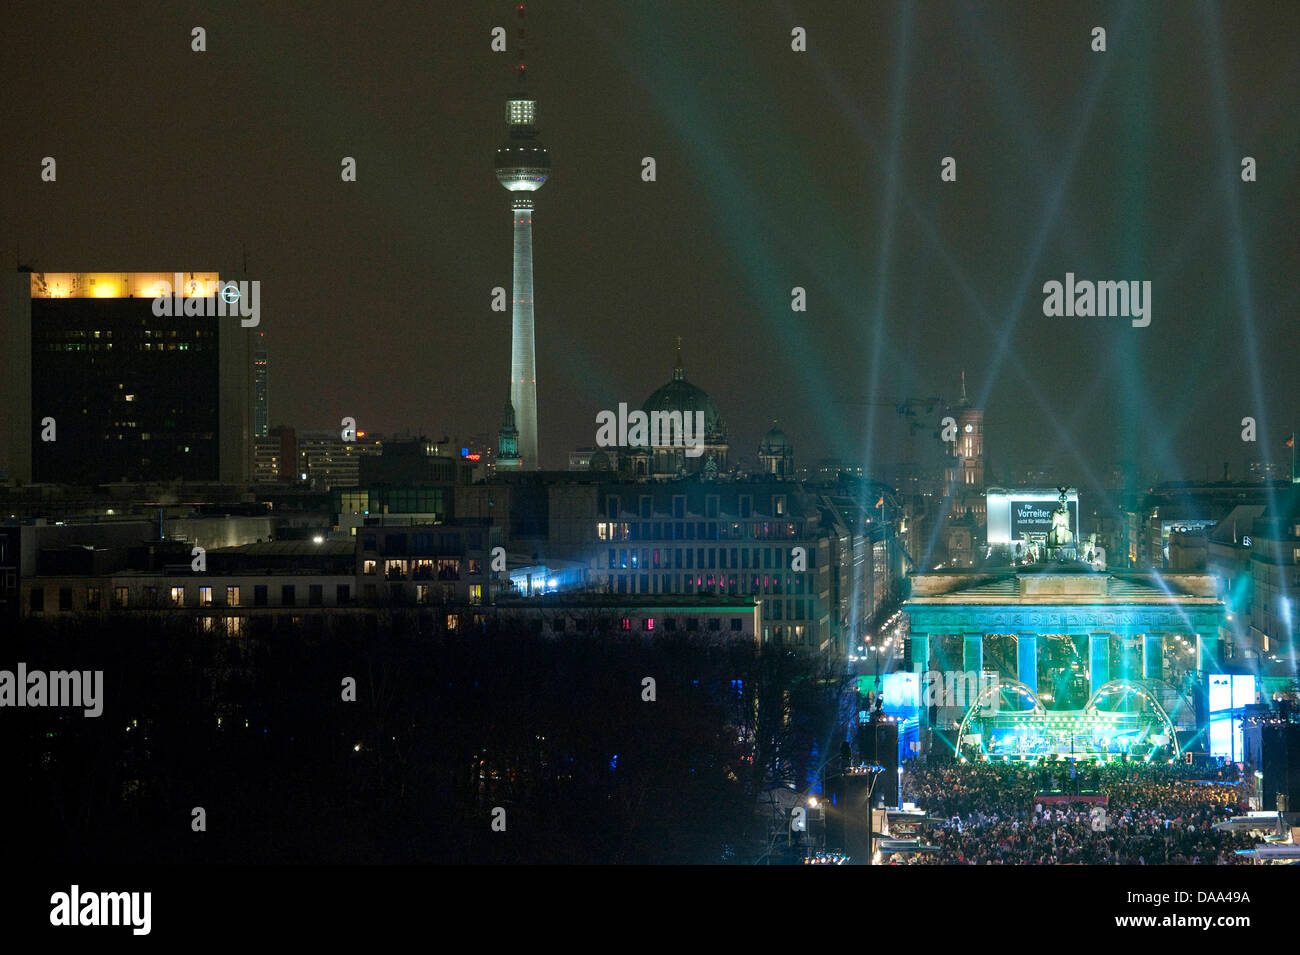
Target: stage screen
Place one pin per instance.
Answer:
(902, 691)
(1220, 692)
(1226, 694)
(1231, 692)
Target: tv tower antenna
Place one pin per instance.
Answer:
(522, 52)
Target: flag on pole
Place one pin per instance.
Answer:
(1290, 442)
(881, 502)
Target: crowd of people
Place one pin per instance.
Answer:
(994, 814)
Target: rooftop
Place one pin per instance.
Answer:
(1059, 584)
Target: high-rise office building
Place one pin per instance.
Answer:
(261, 388)
(522, 165)
(99, 388)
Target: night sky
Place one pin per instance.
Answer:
(775, 169)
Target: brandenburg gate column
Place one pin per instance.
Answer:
(920, 643)
(1207, 652)
(920, 650)
(1027, 660)
(1153, 651)
(1098, 661)
(1130, 660)
(972, 653)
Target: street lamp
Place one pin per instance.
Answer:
(877, 651)
(875, 772)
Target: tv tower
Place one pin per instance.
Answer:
(522, 165)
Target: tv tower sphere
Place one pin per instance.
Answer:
(522, 163)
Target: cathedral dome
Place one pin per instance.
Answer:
(682, 396)
(774, 441)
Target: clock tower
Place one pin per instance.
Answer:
(966, 471)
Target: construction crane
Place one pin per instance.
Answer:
(920, 415)
(904, 407)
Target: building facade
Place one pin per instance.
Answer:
(101, 389)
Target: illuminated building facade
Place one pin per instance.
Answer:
(522, 165)
(130, 396)
(1056, 638)
(586, 613)
(1275, 587)
(329, 461)
(1180, 506)
(441, 571)
(275, 457)
(693, 537)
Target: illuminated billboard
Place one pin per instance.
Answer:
(1017, 515)
(1035, 518)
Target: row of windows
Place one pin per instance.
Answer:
(699, 530)
(175, 596)
(422, 543)
(718, 558)
(238, 626)
(692, 624)
(96, 334)
(108, 346)
(645, 506)
(161, 597)
(424, 593)
(1271, 575)
(796, 608)
(424, 568)
(796, 636)
(148, 436)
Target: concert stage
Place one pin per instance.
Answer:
(1123, 719)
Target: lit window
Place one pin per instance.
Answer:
(205, 596)
(178, 596)
(232, 596)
